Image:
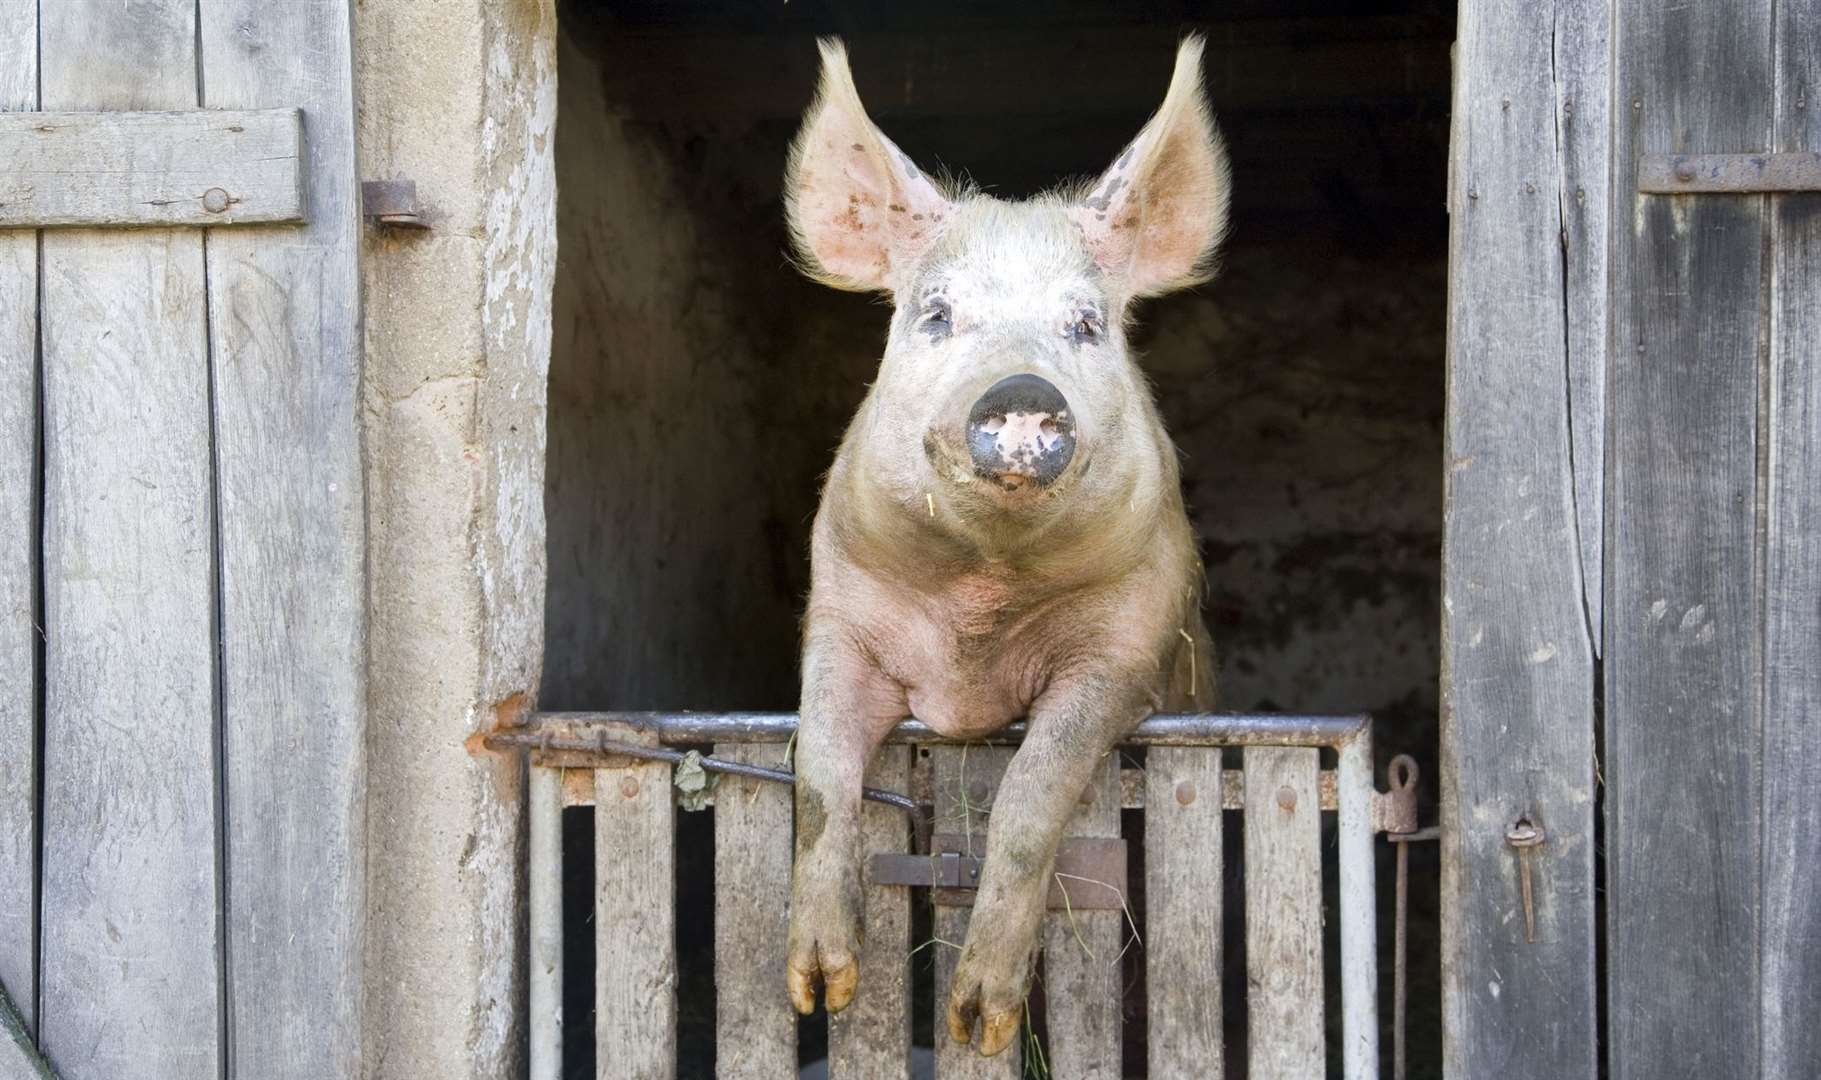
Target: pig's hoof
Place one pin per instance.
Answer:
(997, 1024)
(834, 969)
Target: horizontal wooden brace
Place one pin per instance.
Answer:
(135, 169)
(1728, 174)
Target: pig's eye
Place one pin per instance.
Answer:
(935, 320)
(1087, 326)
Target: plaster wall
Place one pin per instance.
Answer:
(459, 96)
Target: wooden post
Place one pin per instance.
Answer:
(965, 779)
(131, 955)
(1527, 196)
(755, 1026)
(635, 957)
(1790, 971)
(1183, 882)
(284, 322)
(19, 534)
(1683, 712)
(1283, 913)
(1083, 988)
(871, 1038)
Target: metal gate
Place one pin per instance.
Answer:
(629, 767)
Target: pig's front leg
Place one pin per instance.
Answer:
(848, 706)
(1072, 727)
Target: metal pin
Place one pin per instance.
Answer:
(1523, 836)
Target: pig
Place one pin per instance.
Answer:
(1002, 533)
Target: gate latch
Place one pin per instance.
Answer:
(1090, 871)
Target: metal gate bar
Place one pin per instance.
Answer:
(554, 740)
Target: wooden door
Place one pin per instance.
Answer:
(181, 567)
(1633, 588)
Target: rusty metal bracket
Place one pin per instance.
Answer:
(392, 203)
(1394, 810)
(1729, 174)
(1090, 872)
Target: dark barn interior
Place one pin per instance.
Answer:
(699, 385)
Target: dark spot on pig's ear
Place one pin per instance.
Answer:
(916, 217)
(859, 149)
(895, 208)
(1104, 198)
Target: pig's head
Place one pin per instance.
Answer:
(1007, 397)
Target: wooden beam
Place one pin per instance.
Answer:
(19, 539)
(965, 780)
(635, 958)
(1083, 987)
(1183, 870)
(284, 323)
(131, 954)
(122, 169)
(1790, 967)
(1683, 709)
(1518, 654)
(755, 1025)
(1284, 999)
(871, 1037)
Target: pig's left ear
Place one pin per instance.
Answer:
(1155, 218)
(861, 213)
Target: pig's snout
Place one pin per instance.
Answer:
(1021, 431)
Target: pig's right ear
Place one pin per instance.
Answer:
(861, 213)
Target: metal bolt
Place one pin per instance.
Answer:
(629, 786)
(1685, 171)
(1185, 792)
(1286, 797)
(1522, 836)
(215, 200)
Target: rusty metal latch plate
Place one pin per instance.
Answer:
(1732, 174)
(392, 202)
(1090, 872)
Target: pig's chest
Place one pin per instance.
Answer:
(974, 656)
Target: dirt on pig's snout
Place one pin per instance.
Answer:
(1002, 534)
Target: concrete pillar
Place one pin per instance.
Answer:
(460, 96)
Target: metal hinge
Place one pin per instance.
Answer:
(1090, 872)
(1732, 174)
(392, 203)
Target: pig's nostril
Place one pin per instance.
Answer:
(1021, 430)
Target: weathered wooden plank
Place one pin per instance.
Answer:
(1517, 683)
(1283, 914)
(1083, 987)
(1581, 69)
(1182, 872)
(871, 1037)
(130, 958)
(1683, 732)
(18, 549)
(284, 318)
(123, 169)
(755, 1026)
(545, 1021)
(965, 780)
(635, 982)
(1790, 967)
